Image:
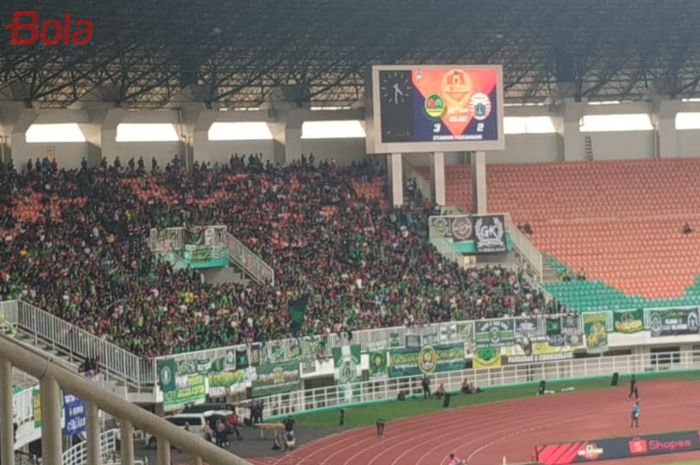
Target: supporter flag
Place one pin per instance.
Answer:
(167, 371)
(377, 365)
(553, 326)
(296, 311)
(242, 358)
(346, 360)
(596, 331)
(489, 357)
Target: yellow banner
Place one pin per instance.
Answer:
(486, 358)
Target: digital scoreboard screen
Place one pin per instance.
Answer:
(436, 108)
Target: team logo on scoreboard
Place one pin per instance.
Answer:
(457, 86)
(434, 106)
(480, 105)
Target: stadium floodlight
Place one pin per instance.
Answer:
(146, 132)
(54, 133)
(248, 130)
(687, 120)
(528, 125)
(341, 129)
(616, 123)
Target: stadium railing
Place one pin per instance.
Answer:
(525, 248)
(508, 375)
(447, 250)
(54, 376)
(253, 265)
(109, 450)
(59, 336)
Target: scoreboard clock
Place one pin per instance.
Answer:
(435, 108)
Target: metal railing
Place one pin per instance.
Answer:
(525, 248)
(45, 367)
(116, 364)
(248, 261)
(109, 450)
(389, 388)
(447, 250)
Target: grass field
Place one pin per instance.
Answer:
(367, 414)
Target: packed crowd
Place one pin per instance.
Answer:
(74, 242)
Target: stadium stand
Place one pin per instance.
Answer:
(324, 230)
(620, 223)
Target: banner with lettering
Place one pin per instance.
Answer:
(495, 333)
(181, 383)
(490, 233)
(673, 322)
(536, 351)
(276, 379)
(628, 321)
(465, 332)
(596, 332)
(526, 327)
(426, 360)
(75, 416)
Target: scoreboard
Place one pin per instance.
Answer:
(435, 108)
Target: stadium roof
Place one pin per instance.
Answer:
(237, 52)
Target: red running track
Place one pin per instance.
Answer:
(487, 433)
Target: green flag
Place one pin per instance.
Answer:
(166, 374)
(296, 311)
(346, 360)
(377, 365)
(241, 358)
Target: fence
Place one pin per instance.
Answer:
(116, 363)
(251, 263)
(525, 248)
(447, 250)
(109, 450)
(388, 389)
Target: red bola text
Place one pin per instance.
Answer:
(27, 29)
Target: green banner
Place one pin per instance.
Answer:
(312, 347)
(672, 322)
(274, 352)
(628, 321)
(182, 382)
(276, 379)
(227, 379)
(395, 340)
(495, 333)
(346, 360)
(294, 349)
(426, 360)
(377, 365)
(594, 326)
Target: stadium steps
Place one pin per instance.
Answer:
(116, 387)
(549, 275)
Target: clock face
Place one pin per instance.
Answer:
(395, 87)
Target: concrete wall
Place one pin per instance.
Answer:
(343, 151)
(688, 143)
(622, 145)
(527, 148)
(285, 122)
(221, 151)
